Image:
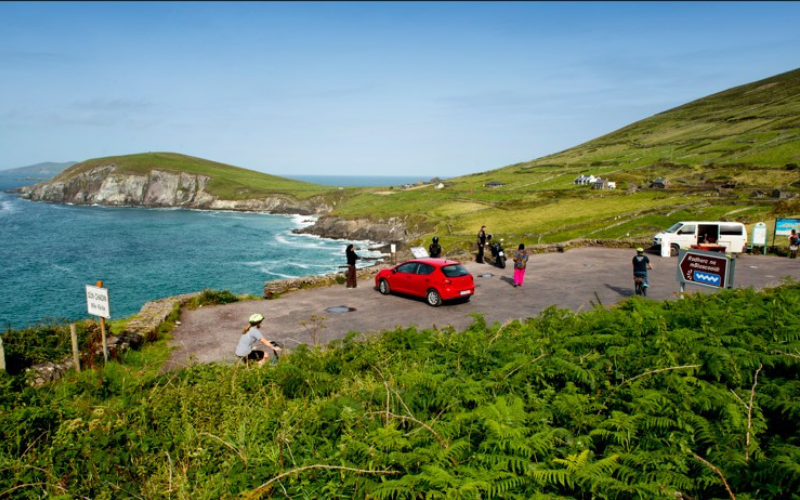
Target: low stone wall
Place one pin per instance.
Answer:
(152, 314)
(141, 327)
(277, 287)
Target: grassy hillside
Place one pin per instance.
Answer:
(227, 182)
(723, 154)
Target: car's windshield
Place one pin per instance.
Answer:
(455, 271)
(674, 228)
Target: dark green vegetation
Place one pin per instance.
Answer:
(724, 155)
(697, 398)
(227, 182)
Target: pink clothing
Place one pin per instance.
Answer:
(519, 276)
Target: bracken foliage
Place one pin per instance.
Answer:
(696, 398)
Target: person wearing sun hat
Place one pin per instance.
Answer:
(246, 350)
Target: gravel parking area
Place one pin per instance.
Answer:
(577, 280)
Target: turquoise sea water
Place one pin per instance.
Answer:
(50, 252)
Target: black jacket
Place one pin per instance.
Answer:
(352, 257)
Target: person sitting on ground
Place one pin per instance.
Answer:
(246, 350)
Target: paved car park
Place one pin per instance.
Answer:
(578, 280)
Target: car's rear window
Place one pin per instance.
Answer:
(455, 271)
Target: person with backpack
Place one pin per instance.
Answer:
(520, 258)
(640, 266)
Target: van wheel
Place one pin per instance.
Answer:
(673, 250)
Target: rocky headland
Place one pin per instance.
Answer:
(102, 185)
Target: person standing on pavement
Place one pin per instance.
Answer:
(246, 350)
(794, 241)
(481, 244)
(352, 257)
(520, 259)
(435, 250)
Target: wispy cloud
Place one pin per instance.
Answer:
(100, 105)
(27, 59)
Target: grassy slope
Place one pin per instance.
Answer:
(748, 135)
(227, 182)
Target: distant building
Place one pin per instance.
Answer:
(494, 184)
(660, 183)
(604, 184)
(782, 195)
(439, 185)
(583, 180)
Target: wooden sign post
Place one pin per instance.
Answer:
(98, 305)
(73, 334)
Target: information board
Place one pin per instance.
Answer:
(97, 301)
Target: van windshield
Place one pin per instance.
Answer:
(674, 228)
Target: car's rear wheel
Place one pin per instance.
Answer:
(383, 287)
(433, 298)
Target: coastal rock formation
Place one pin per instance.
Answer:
(391, 230)
(158, 188)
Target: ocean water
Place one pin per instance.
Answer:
(50, 252)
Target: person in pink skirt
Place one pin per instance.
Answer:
(520, 259)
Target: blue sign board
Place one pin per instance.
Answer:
(783, 227)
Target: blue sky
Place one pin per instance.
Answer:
(365, 88)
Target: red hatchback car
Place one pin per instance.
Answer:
(436, 280)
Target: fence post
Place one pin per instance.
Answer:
(2, 355)
(76, 360)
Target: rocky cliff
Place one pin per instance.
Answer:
(391, 230)
(159, 188)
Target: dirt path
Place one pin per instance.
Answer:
(576, 280)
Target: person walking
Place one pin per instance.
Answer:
(520, 259)
(435, 250)
(481, 244)
(352, 257)
(246, 350)
(794, 240)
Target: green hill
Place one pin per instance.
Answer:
(724, 155)
(40, 170)
(227, 182)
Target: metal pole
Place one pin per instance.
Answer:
(103, 330)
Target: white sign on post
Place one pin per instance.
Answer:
(97, 301)
(419, 252)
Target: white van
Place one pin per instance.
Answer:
(731, 235)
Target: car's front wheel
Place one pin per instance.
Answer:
(384, 288)
(433, 298)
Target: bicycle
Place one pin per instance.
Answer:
(640, 285)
